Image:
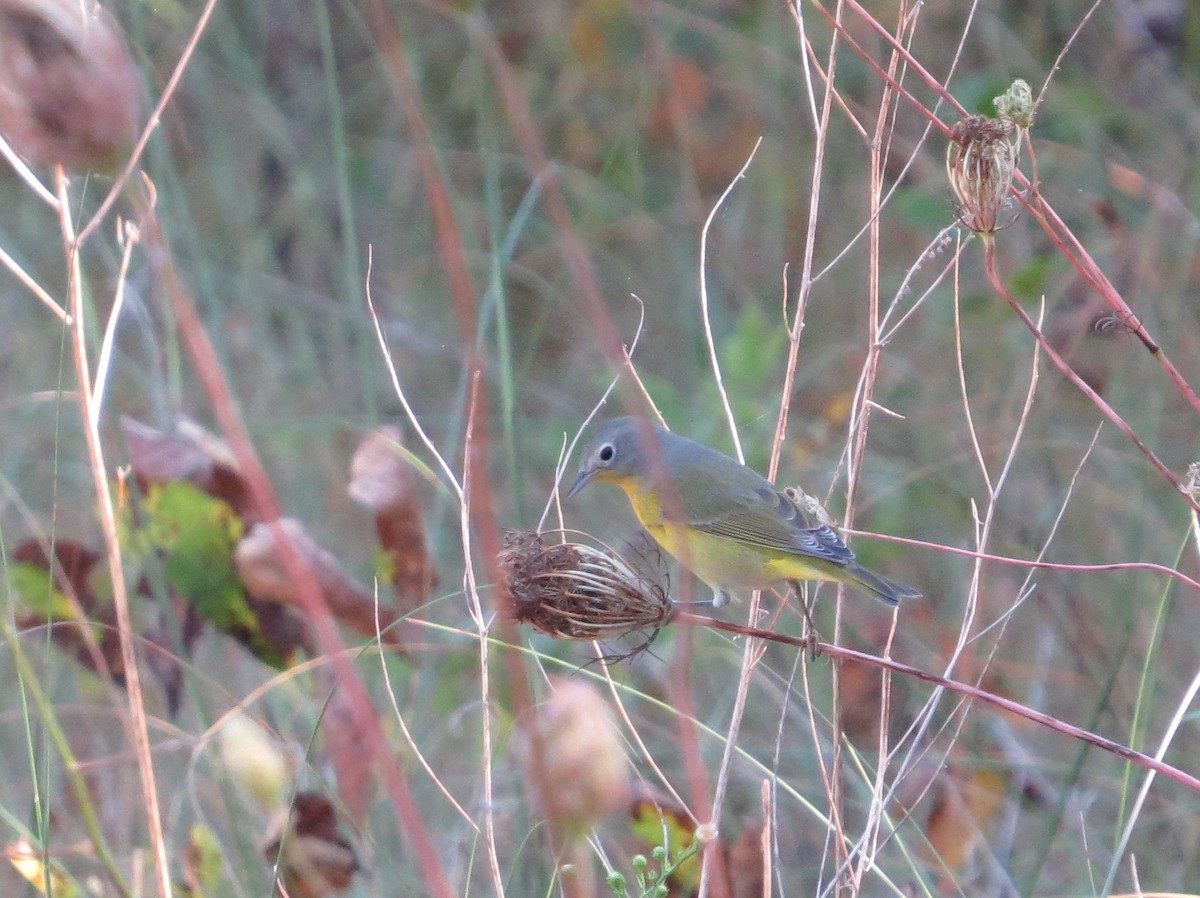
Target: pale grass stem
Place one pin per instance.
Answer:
(476, 609)
(138, 730)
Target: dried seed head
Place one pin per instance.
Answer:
(1108, 324)
(254, 760)
(578, 591)
(69, 93)
(980, 162)
(575, 758)
(305, 843)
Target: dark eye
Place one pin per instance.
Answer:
(606, 452)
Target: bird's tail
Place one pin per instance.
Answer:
(890, 592)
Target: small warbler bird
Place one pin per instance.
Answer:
(727, 524)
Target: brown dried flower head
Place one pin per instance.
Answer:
(69, 93)
(575, 758)
(980, 162)
(572, 590)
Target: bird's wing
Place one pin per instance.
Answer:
(765, 516)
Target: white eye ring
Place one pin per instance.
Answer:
(606, 452)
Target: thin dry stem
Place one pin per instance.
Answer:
(405, 731)
(705, 318)
(104, 362)
(643, 749)
(1084, 387)
(151, 124)
(139, 731)
(34, 287)
(485, 689)
(26, 174)
(829, 776)
(965, 689)
(460, 491)
(748, 659)
(1135, 812)
(569, 451)
(878, 147)
(1070, 567)
(409, 414)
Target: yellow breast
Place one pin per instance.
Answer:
(718, 561)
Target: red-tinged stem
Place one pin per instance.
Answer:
(966, 689)
(1104, 287)
(266, 505)
(1032, 563)
(1068, 372)
(1055, 228)
(575, 255)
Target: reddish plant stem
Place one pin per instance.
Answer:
(1032, 563)
(965, 689)
(312, 601)
(576, 257)
(449, 244)
(989, 254)
(451, 252)
(1056, 229)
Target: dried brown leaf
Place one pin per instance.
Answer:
(188, 453)
(383, 480)
(964, 814)
(262, 571)
(69, 93)
(314, 859)
(71, 569)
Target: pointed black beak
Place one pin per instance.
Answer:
(580, 482)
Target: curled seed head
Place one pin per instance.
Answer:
(575, 759)
(574, 590)
(69, 92)
(980, 162)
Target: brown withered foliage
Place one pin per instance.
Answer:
(263, 571)
(71, 565)
(69, 93)
(190, 453)
(314, 860)
(383, 480)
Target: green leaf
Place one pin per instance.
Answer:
(194, 536)
(676, 835)
(35, 588)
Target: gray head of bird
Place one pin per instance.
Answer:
(614, 454)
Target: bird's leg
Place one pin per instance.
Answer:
(720, 599)
(811, 633)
